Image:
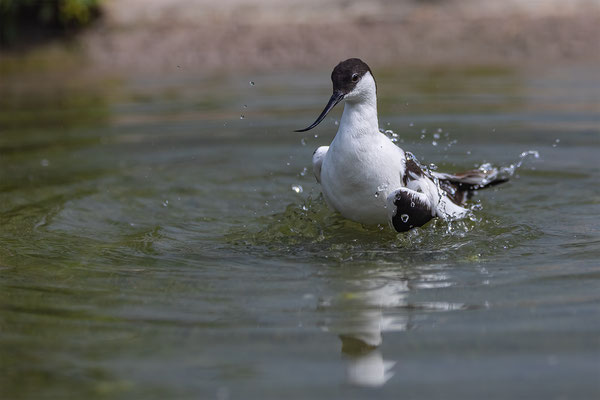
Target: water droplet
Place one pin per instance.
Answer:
(297, 188)
(439, 130)
(404, 218)
(252, 83)
(436, 135)
(245, 106)
(412, 203)
(485, 167)
(242, 117)
(44, 163)
(468, 151)
(434, 143)
(411, 124)
(422, 136)
(304, 171)
(165, 203)
(336, 122)
(382, 187)
(557, 141)
(316, 135)
(303, 142)
(376, 194)
(423, 131)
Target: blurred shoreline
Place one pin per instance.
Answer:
(150, 37)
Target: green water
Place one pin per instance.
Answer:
(152, 245)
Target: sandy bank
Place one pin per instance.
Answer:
(156, 36)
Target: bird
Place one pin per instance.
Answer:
(367, 178)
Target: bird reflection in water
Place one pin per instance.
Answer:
(361, 330)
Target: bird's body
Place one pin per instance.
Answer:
(359, 171)
(367, 178)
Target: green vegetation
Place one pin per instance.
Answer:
(29, 21)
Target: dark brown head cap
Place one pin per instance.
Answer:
(347, 74)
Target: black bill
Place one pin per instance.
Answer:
(336, 97)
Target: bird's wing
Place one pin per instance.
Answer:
(408, 208)
(317, 161)
(444, 195)
(473, 179)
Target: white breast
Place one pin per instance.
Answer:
(358, 173)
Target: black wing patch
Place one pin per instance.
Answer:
(413, 171)
(411, 210)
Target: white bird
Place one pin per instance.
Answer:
(367, 178)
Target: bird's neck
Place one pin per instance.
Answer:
(360, 118)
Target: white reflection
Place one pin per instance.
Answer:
(365, 365)
(372, 303)
(361, 331)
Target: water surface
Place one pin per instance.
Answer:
(166, 239)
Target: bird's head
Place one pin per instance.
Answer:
(353, 82)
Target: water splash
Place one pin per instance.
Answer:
(512, 168)
(310, 229)
(393, 136)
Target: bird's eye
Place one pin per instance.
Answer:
(354, 77)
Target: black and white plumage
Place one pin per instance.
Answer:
(367, 178)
